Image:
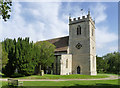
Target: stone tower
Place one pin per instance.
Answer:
(82, 45)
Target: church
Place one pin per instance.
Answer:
(76, 53)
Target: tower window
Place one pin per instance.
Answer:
(78, 30)
(67, 63)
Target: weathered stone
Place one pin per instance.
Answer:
(76, 53)
(81, 46)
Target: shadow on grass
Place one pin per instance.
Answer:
(95, 86)
(75, 86)
(16, 75)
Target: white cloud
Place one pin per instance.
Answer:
(74, 11)
(103, 37)
(0, 28)
(99, 12)
(46, 23)
(66, 0)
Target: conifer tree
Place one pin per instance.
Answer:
(11, 65)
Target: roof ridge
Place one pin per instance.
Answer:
(61, 43)
(53, 38)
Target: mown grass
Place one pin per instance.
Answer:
(71, 84)
(73, 76)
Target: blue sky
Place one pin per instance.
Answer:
(41, 21)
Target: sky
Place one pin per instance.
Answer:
(47, 20)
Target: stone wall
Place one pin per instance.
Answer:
(82, 57)
(92, 49)
(66, 64)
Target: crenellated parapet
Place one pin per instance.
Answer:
(83, 19)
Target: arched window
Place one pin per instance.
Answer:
(78, 30)
(78, 70)
(67, 63)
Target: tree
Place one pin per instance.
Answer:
(109, 63)
(4, 58)
(5, 9)
(20, 56)
(113, 62)
(45, 56)
(102, 65)
(0, 56)
(99, 64)
(11, 65)
(24, 55)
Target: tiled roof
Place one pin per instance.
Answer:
(61, 43)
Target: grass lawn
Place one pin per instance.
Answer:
(73, 76)
(70, 84)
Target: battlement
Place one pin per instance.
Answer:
(75, 19)
(83, 19)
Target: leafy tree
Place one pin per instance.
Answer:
(113, 62)
(5, 9)
(45, 56)
(99, 64)
(0, 56)
(102, 65)
(24, 56)
(109, 63)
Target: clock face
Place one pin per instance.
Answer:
(78, 46)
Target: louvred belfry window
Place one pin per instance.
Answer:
(79, 30)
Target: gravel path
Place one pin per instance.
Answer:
(109, 78)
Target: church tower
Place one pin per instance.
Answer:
(82, 45)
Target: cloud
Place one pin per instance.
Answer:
(73, 9)
(16, 26)
(66, 0)
(103, 37)
(43, 22)
(99, 12)
(0, 28)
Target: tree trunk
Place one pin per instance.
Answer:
(38, 69)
